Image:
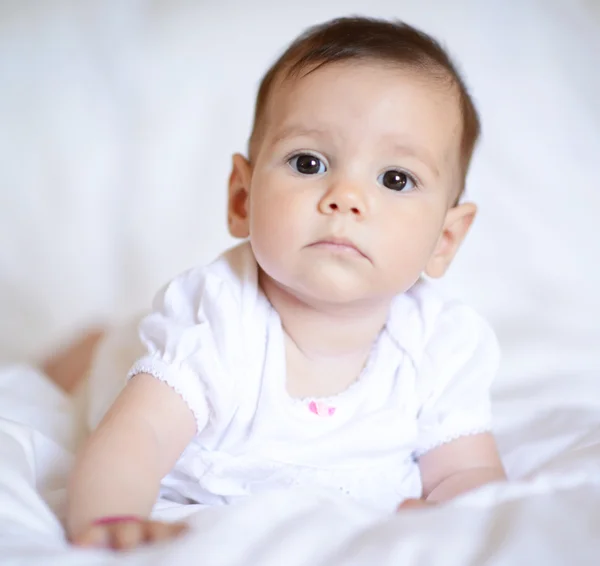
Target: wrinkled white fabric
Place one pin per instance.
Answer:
(550, 442)
(216, 340)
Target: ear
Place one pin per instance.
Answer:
(238, 202)
(456, 225)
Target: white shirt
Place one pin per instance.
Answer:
(216, 340)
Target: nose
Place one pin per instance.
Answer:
(344, 198)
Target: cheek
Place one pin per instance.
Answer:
(276, 224)
(410, 237)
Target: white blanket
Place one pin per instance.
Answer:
(549, 514)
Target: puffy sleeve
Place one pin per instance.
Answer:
(185, 341)
(460, 361)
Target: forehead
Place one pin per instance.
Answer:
(369, 103)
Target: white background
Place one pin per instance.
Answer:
(118, 120)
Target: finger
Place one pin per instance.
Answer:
(179, 528)
(126, 535)
(156, 530)
(159, 530)
(413, 504)
(97, 536)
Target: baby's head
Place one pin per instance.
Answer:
(362, 139)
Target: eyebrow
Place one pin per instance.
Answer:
(418, 152)
(296, 131)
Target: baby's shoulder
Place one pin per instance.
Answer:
(423, 317)
(231, 277)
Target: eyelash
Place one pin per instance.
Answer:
(291, 156)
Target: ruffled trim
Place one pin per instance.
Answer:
(182, 380)
(451, 437)
(351, 390)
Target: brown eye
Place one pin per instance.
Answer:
(307, 164)
(397, 180)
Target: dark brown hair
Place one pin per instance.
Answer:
(359, 38)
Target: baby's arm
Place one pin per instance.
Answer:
(460, 466)
(119, 469)
(457, 467)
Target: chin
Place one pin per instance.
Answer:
(333, 291)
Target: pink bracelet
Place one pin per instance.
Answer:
(116, 519)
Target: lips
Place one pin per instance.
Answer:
(339, 244)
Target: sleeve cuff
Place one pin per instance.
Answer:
(182, 380)
(434, 438)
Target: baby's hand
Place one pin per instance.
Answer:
(126, 533)
(414, 504)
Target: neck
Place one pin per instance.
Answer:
(323, 331)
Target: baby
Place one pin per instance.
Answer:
(314, 355)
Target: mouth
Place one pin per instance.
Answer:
(339, 245)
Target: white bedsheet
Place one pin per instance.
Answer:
(549, 514)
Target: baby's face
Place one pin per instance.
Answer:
(352, 181)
